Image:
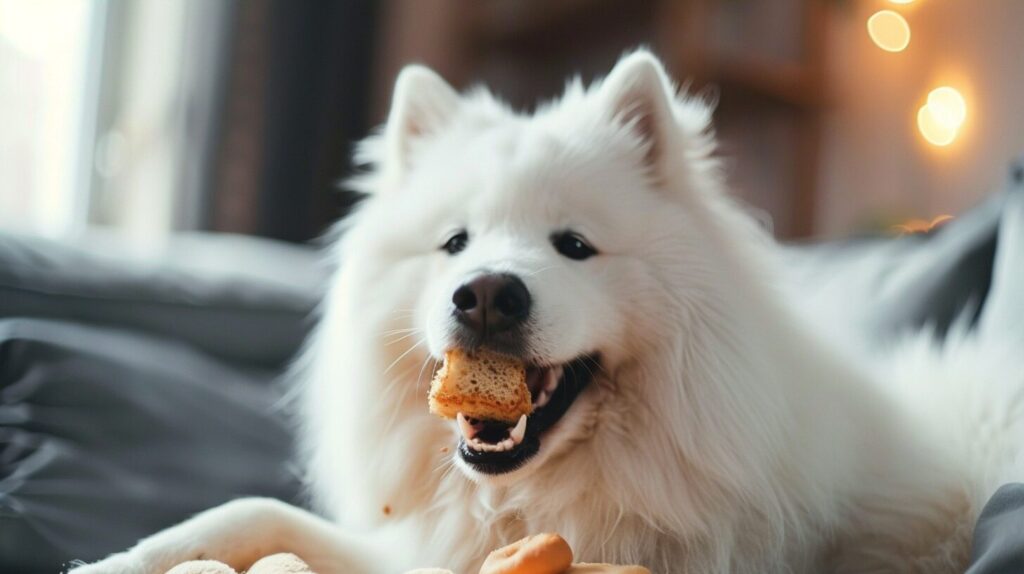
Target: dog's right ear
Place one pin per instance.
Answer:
(638, 93)
(422, 104)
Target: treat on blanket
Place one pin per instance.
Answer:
(202, 567)
(485, 386)
(539, 554)
(582, 568)
(283, 563)
(546, 554)
(274, 564)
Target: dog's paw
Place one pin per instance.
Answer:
(122, 563)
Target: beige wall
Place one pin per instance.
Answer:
(875, 163)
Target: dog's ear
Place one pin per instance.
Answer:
(422, 104)
(639, 94)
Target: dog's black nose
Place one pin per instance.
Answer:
(492, 303)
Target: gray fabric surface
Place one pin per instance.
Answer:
(879, 287)
(108, 435)
(999, 535)
(243, 299)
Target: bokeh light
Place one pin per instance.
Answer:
(934, 131)
(889, 31)
(947, 106)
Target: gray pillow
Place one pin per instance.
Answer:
(999, 535)
(244, 299)
(108, 436)
(875, 288)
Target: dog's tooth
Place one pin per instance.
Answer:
(508, 444)
(552, 379)
(542, 399)
(517, 433)
(467, 429)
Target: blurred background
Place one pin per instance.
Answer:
(138, 118)
(163, 164)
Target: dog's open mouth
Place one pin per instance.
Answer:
(493, 447)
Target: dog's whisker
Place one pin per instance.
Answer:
(433, 368)
(541, 270)
(396, 331)
(403, 355)
(397, 339)
(446, 464)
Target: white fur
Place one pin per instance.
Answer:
(724, 434)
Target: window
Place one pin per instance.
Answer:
(107, 113)
(44, 47)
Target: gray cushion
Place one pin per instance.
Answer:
(999, 535)
(876, 288)
(240, 298)
(106, 436)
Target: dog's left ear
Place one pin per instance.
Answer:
(422, 104)
(639, 94)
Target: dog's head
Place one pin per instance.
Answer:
(543, 236)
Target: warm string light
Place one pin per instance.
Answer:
(889, 31)
(940, 118)
(933, 131)
(948, 106)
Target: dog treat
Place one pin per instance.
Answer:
(582, 568)
(283, 563)
(202, 567)
(539, 554)
(485, 386)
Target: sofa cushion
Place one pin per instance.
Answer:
(108, 436)
(241, 298)
(873, 289)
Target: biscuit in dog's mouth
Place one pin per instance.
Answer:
(493, 436)
(497, 447)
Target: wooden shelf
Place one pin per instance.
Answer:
(785, 82)
(508, 21)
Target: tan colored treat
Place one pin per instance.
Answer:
(283, 563)
(485, 386)
(583, 568)
(202, 567)
(540, 554)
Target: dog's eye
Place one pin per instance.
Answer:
(456, 243)
(572, 245)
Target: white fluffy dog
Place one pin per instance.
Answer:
(688, 418)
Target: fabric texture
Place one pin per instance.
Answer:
(108, 435)
(883, 286)
(242, 299)
(999, 535)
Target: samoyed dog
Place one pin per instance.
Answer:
(690, 416)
